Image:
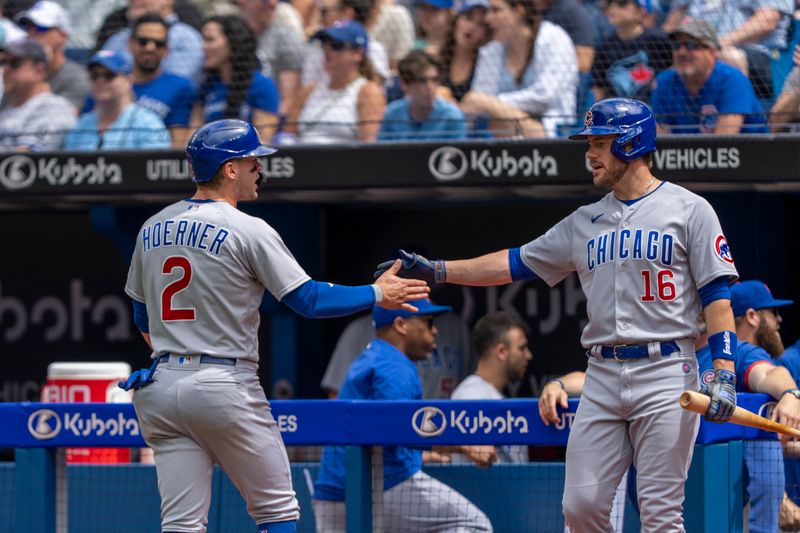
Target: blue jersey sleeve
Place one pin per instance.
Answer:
(263, 94)
(790, 359)
(315, 299)
(715, 290)
(748, 356)
(140, 317)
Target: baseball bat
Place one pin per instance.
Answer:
(698, 403)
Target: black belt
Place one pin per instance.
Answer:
(203, 359)
(637, 351)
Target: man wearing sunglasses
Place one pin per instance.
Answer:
(31, 116)
(385, 370)
(758, 322)
(700, 94)
(48, 23)
(167, 95)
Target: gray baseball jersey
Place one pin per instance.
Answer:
(201, 268)
(640, 266)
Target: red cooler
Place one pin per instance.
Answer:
(88, 383)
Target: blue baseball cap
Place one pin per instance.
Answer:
(344, 31)
(438, 4)
(383, 317)
(113, 61)
(469, 5)
(753, 294)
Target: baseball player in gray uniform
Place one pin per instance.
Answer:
(649, 255)
(197, 278)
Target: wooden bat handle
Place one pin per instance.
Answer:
(698, 403)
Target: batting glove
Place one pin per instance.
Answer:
(722, 392)
(140, 378)
(416, 266)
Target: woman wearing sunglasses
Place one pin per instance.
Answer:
(234, 86)
(349, 107)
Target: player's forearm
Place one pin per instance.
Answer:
(773, 382)
(573, 382)
(719, 318)
(484, 271)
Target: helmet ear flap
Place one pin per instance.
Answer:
(633, 136)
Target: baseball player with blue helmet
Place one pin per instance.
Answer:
(650, 256)
(197, 279)
(757, 329)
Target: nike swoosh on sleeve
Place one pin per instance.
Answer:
(596, 217)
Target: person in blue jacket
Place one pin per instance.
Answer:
(412, 500)
(758, 321)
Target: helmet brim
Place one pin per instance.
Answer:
(261, 151)
(594, 130)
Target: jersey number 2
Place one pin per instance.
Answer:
(169, 313)
(664, 285)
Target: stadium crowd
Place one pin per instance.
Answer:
(82, 75)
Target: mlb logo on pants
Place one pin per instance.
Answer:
(185, 360)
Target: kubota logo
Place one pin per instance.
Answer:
(429, 421)
(44, 424)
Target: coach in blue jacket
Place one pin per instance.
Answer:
(413, 501)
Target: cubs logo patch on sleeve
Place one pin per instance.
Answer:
(722, 249)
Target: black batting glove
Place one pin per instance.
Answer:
(722, 392)
(416, 266)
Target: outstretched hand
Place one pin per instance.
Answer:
(397, 292)
(415, 266)
(553, 395)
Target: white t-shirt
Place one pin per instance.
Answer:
(475, 387)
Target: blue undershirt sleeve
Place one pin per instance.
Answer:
(519, 270)
(140, 316)
(319, 299)
(717, 289)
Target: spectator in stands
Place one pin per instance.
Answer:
(421, 115)
(785, 113)
(700, 94)
(501, 342)
(412, 500)
(350, 106)
(185, 11)
(8, 30)
(185, 57)
(749, 31)
(31, 116)
(433, 19)
(362, 11)
(394, 29)
(459, 53)
(628, 60)
(526, 78)
(574, 18)
(167, 95)
(48, 23)
(280, 49)
(116, 122)
(234, 86)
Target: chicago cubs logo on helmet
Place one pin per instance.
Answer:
(630, 120)
(722, 249)
(588, 120)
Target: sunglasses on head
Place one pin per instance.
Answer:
(13, 63)
(144, 41)
(689, 45)
(107, 75)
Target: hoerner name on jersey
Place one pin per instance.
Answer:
(629, 243)
(192, 234)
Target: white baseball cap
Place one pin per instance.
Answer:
(45, 14)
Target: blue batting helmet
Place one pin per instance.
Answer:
(632, 122)
(220, 141)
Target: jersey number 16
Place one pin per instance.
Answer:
(665, 288)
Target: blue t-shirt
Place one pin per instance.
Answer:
(169, 96)
(747, 357)
(446, 121)
(381, 372)
(135, 128)
(726, 91)
(262, 94)
(791, 360)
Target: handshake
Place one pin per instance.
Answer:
(415, 266)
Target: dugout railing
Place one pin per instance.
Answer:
(42, 494)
